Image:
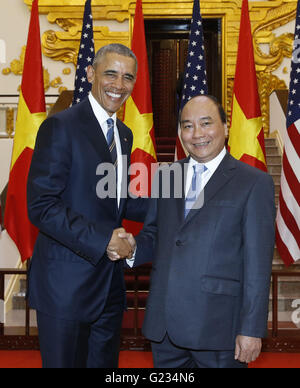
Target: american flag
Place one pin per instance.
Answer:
(288, 215)
(85, 56)
(195, 78)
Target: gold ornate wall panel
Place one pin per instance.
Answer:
(62, 42)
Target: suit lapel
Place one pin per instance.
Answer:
(95, 135)
(126, 151)
(125, 142)
(180, 202)
(94, 132)
(221, 176)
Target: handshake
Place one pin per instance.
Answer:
(121, 246)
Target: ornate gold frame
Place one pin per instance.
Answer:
(62, 44)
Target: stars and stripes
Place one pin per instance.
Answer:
(288, 215)
(85, 56)
(195, 77)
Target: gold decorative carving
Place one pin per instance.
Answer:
(6, 71)
(267, 83)
(17, 65)
(67, 71)
(56, 83)
(62, 89)
(63, 46)
(10, 121)
(62, 43)
(279, 47)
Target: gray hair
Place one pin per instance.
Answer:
(116, 48)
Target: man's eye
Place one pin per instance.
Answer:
(128, 78)
(206, 123)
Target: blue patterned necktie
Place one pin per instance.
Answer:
(111, 142)
(195, 188)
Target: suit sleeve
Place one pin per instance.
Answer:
(137, 209)
(48, 178)
(146, 240)
(258, 241)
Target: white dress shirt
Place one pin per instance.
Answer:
(102, 116)
(211, 166)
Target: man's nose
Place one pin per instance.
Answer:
(118, 83)
(198, 131)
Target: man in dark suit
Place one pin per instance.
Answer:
(76, 287)
(212, 252)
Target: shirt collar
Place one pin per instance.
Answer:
(213, 164)
(101, 114)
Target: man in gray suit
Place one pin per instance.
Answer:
(212, 253)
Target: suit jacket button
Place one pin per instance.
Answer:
(179, 243)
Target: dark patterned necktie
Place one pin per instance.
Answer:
(111, 142)
(195, 188)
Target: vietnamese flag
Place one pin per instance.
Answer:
(31, 113)
(138, 115)
(246, 136)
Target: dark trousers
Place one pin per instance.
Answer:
(167, 355)
(73, 344)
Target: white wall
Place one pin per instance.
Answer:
(14, 22)
(5, 156)
(9, 255)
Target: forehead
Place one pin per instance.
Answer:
(118, 62)
(200, 107)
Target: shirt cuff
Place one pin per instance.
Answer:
(130, 262)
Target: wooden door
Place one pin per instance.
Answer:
(167, 44)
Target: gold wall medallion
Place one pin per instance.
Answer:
(62, 42)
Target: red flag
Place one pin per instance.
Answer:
(139, 114)
(31, 113)
(246, 136)
(288, 215)
(179, 150)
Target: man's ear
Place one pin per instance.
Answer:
(90, 72)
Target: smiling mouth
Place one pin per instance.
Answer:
(114, 95)
(202, 144)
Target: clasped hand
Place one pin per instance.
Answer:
(121, 246)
